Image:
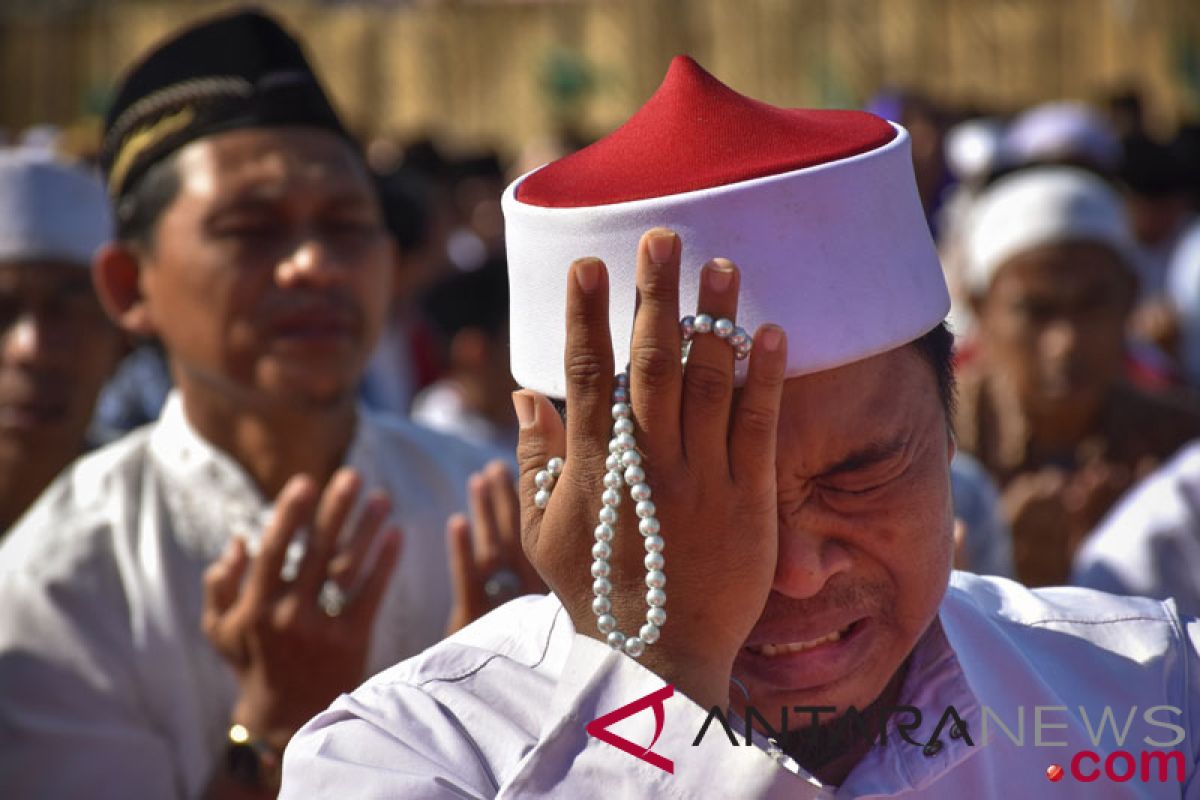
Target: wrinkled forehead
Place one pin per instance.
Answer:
(271, 161)
(879, 398)
(1062, 266)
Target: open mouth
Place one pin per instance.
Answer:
(787, 648)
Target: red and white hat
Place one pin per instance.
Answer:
(819, 210)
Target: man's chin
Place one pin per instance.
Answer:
(312, 391)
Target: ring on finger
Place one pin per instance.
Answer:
(738, 337)
(502, 585)
(332, 598)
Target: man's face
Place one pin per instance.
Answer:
(864, 534)
(56, 352)
(270, 273)
(1053, 325)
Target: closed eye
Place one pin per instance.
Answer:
(857, 492)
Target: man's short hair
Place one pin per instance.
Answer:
(143, 204)
(937, 348)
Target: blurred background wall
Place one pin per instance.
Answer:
(503, 72)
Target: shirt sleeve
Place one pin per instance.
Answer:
(569, 762)
(356, 748)
(1191, 702)
(404, 743)
(71, 722)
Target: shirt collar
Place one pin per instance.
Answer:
(209, 493)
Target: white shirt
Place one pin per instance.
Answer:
(441, 407)
(108, 687)
(500, 709)
(977, 504)
(1149, 544)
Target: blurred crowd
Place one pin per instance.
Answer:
(1070, 235)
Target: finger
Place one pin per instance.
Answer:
(505, 511)
(754, 432)
(332, 513)
(366, 601)
(484, 537)
(961, 562)
(345, 568)
(541, 437)
(656, 375)
(465, 579)
(293, 510)
(589, 370)
(222, 582)
(708, 376)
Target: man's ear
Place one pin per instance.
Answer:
(976, 301)
(116, 276)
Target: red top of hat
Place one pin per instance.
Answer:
(697, 133)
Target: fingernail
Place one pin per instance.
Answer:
(718, 275)
(297, 484)
(661, 247)
(379, 504)
(587, 273)
(772, 339)
(523, 405)
(392, 538)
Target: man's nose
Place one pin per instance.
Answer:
(312, 262)
(1059, 340)
(807, 561)
(32, 339)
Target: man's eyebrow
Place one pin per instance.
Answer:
(244, 203)
(876, 452)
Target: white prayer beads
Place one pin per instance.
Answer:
(623, 468)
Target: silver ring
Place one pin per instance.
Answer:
(502, 585)
(332, 598)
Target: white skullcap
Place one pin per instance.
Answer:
(973, 148)
(1061, 131)
(819, 209)
(50, 211)
(1040, 206)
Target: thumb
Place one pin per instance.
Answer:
(541, 437)
(469, 599)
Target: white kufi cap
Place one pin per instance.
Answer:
(819, 210)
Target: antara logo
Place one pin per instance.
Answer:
(599, 727)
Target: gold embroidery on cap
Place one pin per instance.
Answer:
(143, 139)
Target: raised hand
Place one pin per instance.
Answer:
(487, 564)
(708, 454)
(296, 645)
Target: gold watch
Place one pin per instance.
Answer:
(251, 761)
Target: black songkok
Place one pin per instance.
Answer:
(240, 70)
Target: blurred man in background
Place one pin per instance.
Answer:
(1045, 406)
(1150, 544)
(469, 311)
(58, 347)
(177, 604)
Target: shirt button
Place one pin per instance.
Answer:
(957, 731)
(932, 749)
